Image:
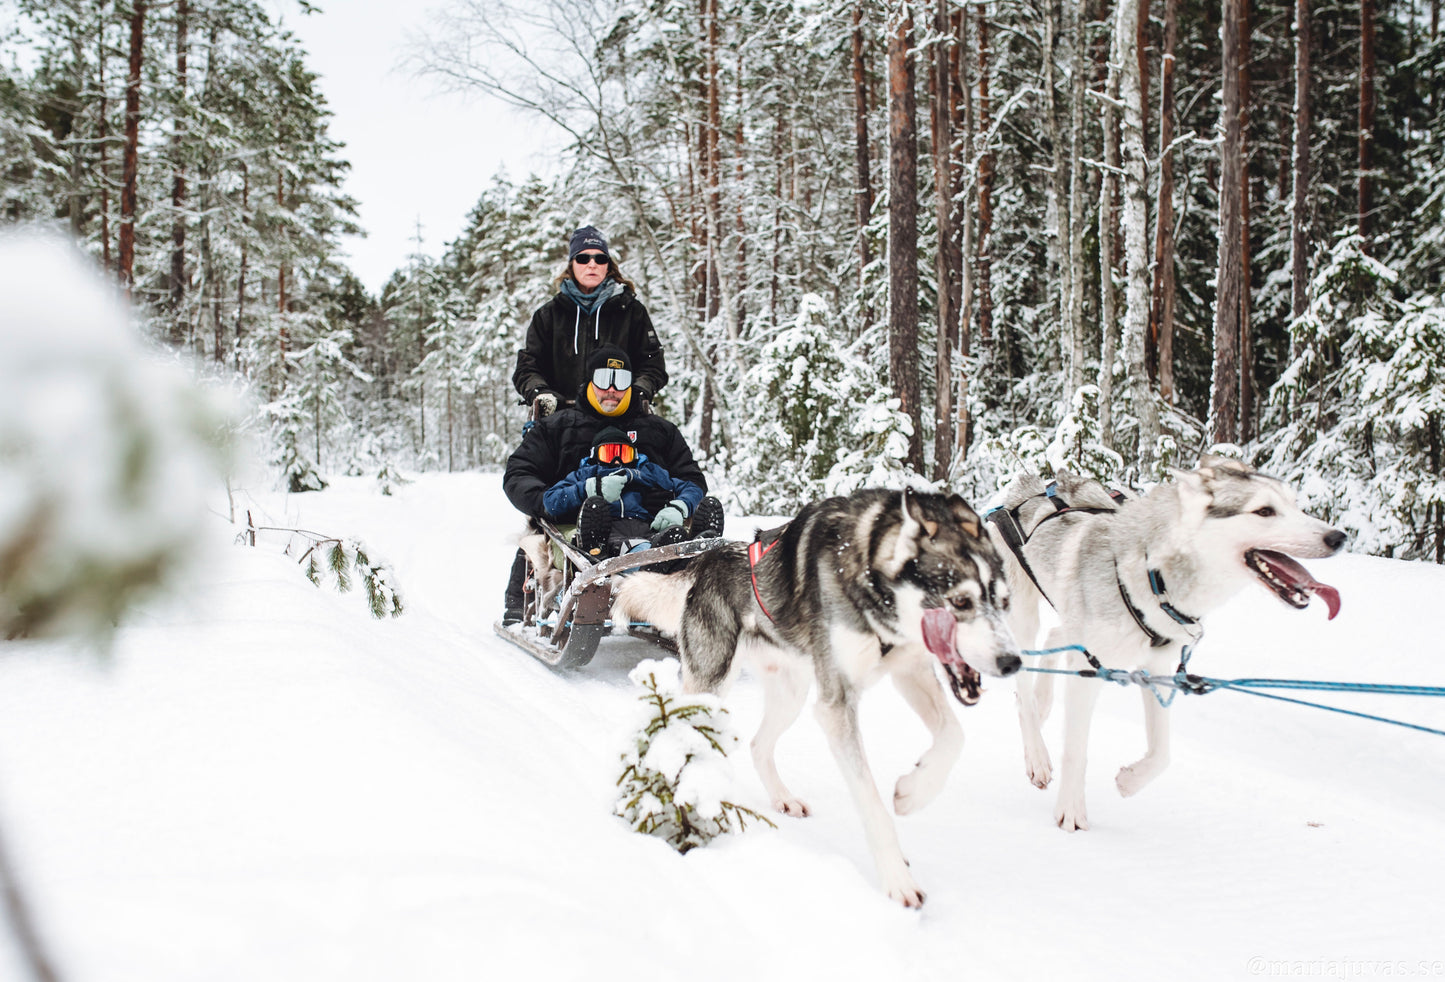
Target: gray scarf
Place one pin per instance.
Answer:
(589, 303)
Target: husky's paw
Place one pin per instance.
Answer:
(1039, 768)
(900, 887)
(1071, 817)
(916, 788)
(1130, 780)
(792, 807)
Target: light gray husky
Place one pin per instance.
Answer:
(1130, 582)
(876, 583)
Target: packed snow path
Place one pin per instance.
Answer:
(262, 782)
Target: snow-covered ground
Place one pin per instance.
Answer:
(261, 782)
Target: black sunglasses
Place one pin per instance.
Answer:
(587, 258)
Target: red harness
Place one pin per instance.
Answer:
(756, 551)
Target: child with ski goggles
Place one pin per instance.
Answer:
(620, 499)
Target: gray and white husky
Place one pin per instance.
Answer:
(876, 583)
(1130, 582)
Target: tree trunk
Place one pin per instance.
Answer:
(776, 262)
(1299, 216)
(211, 293)
(1141, 48)
(712, 131)
(74, 198)
(1433, 428)
(1367, 114)
(903, 229)
(210, 281)
(129, 161)
(948, 259)
(1108, 225)
(698, 265)
(1136, 236)
(241, 270)
(1224, 402)
(1246, 339)
(740, 175)
(863, 195)
(963, 90)
(1059, 237)
(281, 267)
(178, 185)
(985, 187)
(1161, 326)
(102, 135)
(1074, 355)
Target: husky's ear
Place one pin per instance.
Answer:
(1211, 463)
(965, 516)
(915, 514)
(911, 529)
(1195, 497)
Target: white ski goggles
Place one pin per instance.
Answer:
(612, 378)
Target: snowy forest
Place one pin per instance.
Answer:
(882, 241)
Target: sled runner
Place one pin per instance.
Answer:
(564, 629)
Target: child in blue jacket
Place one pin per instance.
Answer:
(618, 497)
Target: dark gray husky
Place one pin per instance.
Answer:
(876, 583)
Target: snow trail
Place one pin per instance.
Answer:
(264, 782)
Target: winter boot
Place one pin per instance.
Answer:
(671, 535)
(516, 596)
(594, 521)
(707, 520)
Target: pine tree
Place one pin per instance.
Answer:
(444, 372)
(675, 775)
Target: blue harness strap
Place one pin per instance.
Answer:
(1182, 681)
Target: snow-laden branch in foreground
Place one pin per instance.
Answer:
(106, 450)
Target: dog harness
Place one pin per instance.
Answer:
(1161, 593)
(1006, 520)
(756, 551)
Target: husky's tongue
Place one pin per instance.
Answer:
(1290, 580)
(938, 628)
(963, 679)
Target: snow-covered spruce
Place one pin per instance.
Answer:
(674, 776)
(388, 479)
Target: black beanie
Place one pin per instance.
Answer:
(607, 356)
(611, 434)
(585, 238)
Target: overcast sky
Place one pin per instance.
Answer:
(416, 154)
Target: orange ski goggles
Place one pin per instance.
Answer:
(615, 453)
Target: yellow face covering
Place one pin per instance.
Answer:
(621, 406)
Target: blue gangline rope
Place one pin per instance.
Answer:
(1181, 681)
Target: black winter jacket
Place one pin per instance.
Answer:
(560, 338)
(553, 446)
